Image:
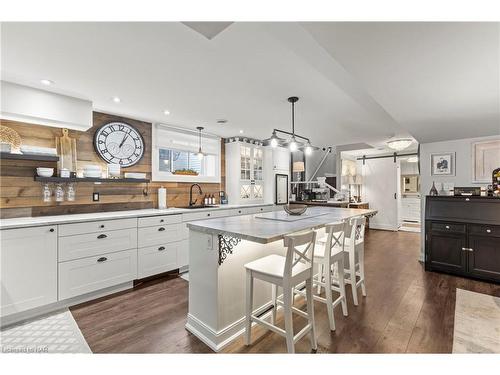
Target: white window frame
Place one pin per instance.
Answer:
(210, 142)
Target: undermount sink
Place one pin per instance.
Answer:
(201, 206)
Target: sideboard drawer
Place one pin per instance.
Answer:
(485, 230)
(153, 260)
(85, 245)
(96, 226)
(448, 227)
(159, 220)
(87, 275)
(159, 235)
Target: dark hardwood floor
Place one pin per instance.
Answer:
(406, 310)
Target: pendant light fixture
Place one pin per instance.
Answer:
(200, 153)
(292, 143)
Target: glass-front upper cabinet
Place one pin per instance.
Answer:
(247, 181)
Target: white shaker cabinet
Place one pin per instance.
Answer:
(281, 160)
(28, 268)
(244, 173)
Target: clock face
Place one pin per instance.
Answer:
(119, 143)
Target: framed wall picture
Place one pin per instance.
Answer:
(443, 164)
(485, 159)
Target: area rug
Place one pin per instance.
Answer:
(55, 333)
(477, 323)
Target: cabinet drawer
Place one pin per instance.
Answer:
(87, 275)
(158, 220)
(161, 234)
(203, 215)
(256, 210)
(96, 226)
(85, 245)
(157, 259)
(448, 227)
(485, 230)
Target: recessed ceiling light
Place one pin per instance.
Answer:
(116, 99)
(166, 112)
(241, 131)
(46, 82)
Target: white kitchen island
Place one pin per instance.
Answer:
(218, 250)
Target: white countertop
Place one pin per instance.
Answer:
(23, 222)
(251, 228)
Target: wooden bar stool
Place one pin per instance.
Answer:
(329, 255)
(354, 248)
(286, 272)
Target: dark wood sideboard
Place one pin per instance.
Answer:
(462, 236)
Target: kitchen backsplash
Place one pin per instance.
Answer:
(21, 195)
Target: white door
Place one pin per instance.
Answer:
(380, 178)
(28, 268)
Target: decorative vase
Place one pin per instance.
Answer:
(66, 149)
(433, 191)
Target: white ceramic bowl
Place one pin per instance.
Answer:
(45, 172)
(92, 167)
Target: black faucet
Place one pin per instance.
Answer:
(191, 203)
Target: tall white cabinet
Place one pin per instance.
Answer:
(251, 171)
(245, 173)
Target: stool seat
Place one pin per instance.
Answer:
(274, 265)
(319, 252)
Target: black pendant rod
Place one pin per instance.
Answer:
(293, 100)
(200, 128)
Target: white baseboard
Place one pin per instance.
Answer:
(383, 227)
(47, 309)
(218, 340)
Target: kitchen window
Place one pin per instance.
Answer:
(175, 155)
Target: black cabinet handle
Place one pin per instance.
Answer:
(239, 211)
(101, 226)
(161, 221)
(102, 259)
(161, 229)
(101, 236)
(51, 229)
(161, 248)
(208, 214)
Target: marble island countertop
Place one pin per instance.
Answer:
(253, 228)
(23, 222)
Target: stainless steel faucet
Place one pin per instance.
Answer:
(191, 202)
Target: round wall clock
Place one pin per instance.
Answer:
(119, 143)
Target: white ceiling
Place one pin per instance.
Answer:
(437, 80)
(357, 82)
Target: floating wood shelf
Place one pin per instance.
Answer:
(37, 157)
(90, 179)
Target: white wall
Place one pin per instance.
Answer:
(328, 167)
(463, 168)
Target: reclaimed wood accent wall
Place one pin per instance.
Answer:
(21, 195)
